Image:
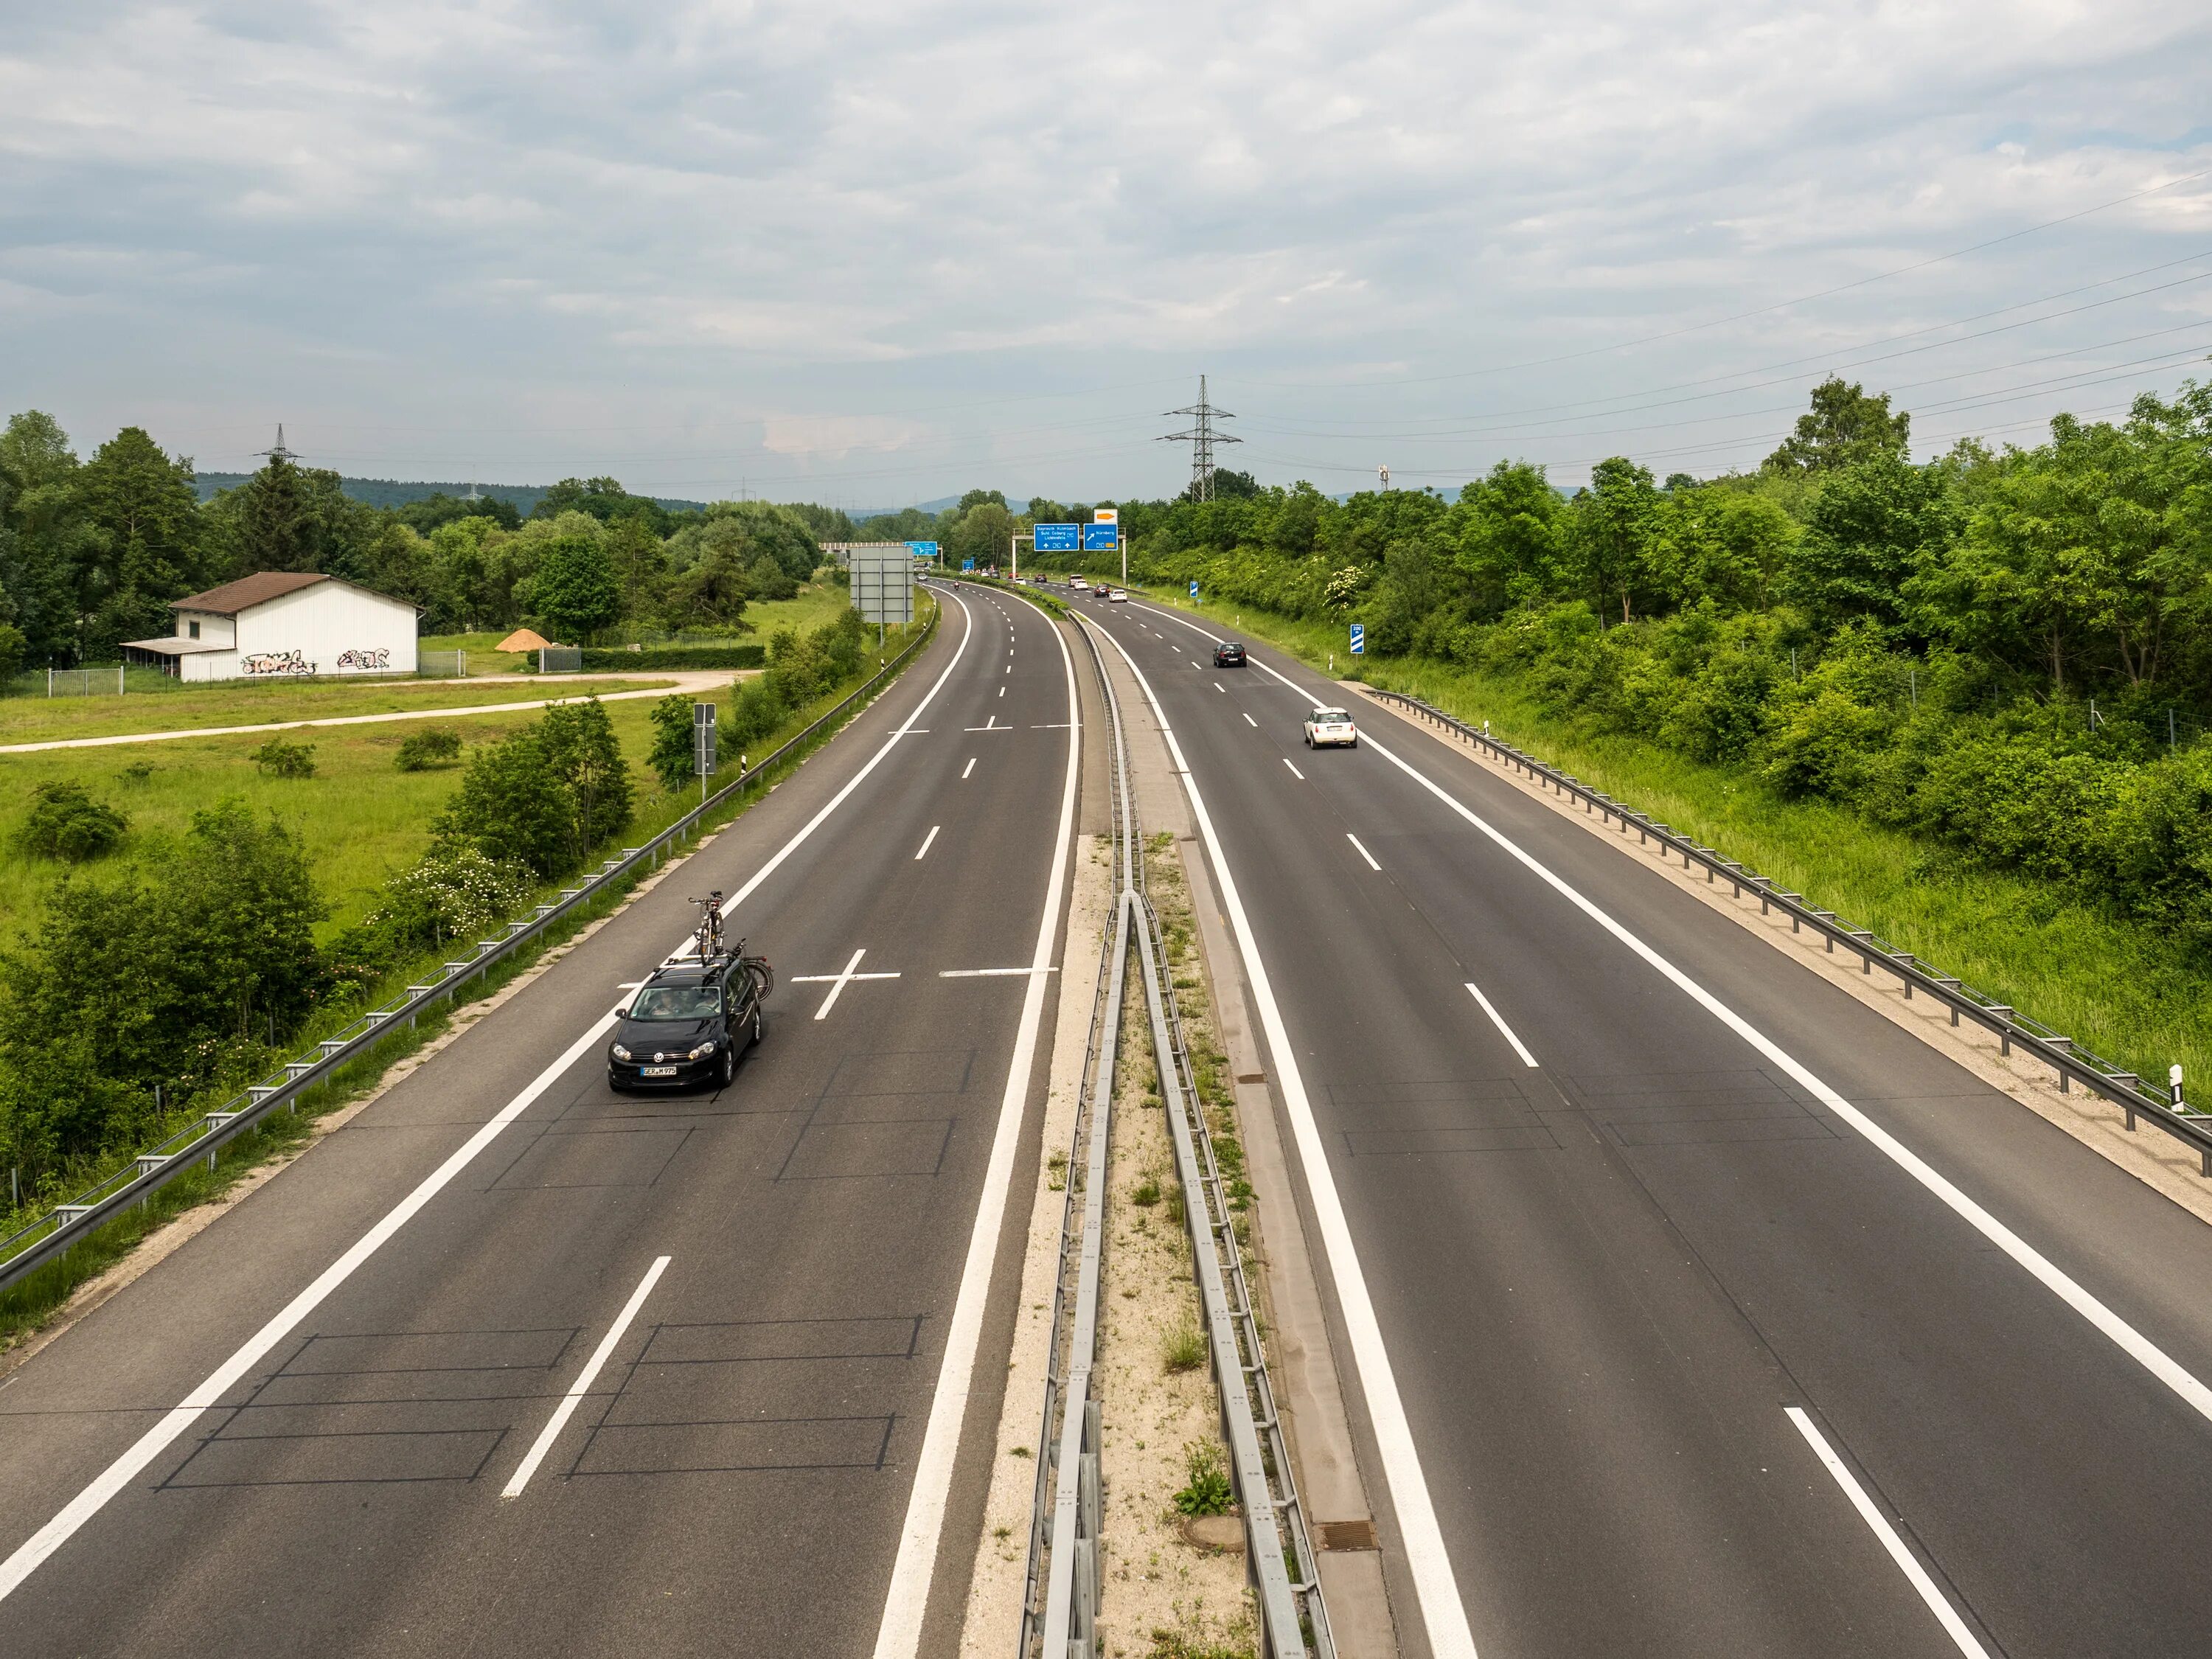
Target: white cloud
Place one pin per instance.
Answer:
(806, 221)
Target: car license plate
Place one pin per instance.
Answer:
(656, 1070)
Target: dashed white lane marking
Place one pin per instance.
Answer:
(1002, 690)
(34, 1551)
(585, 1378)
(1357, 847)
(1878, 1523)
(1295, 773)
(971, 767)
(1499, 1020)
(930, 838)
(1250, 722)
(2124, 1336)
(1221, 688)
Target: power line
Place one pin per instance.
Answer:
(1201, 438)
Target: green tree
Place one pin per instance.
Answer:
(1510, 538)
(151, 540)
(673, 756)
(48, 544)
(1872, 526)
(1609, 534)
(575, 590)
(1844, 428)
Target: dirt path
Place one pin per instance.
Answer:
(692, 680)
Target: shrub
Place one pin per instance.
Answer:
(1209, 1491)
(279, 759)
(1183, 1348)
(1823, 746)
(66, 823)
(433, 746)
(544, 796)
(673, 756)
(454, 891)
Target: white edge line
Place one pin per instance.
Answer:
(1435, 1584)
(585, 1378)
(2129, 1340)
(926, 840)
(907, 1600)
(1938, 1603)
(32, 1552)
(1499, 1020)
(1358, 848)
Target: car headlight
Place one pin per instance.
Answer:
(621, 1053)
(703, 1050)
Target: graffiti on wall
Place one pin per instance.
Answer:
(276, 662)
(379, 658)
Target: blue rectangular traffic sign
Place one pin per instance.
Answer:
(1057, 538)
(1101, 538)
(923, 550)
(1193, 587)
(1359, 639)
(967, 564)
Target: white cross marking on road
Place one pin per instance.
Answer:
(837, 982)
(991, 726)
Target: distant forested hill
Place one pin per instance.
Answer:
(387, 492)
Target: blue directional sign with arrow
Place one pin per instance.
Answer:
(1101, 538)
(1057, 538)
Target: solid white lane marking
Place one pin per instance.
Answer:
(1435, 1586)
(585, 1378)
(1295, 773)
(1499, 1020)
(2129, 1340)
(1878, 1523)
(971, 767)
(930, 838)
(837, 982)
(1357, 847)
(1250, 722)
(899, 1636)
(990, 973)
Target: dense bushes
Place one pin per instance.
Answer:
(801, 668)
(66, 823)
(653, 656)
(2009, 654)
(122, 986)
(545, 796)
(432, 746)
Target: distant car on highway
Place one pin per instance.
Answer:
(1099, 592)
(1119, 596)
(685, 1026)
(1228, 653)
(1331, 728)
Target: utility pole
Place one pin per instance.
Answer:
(277, 451)
(1201, 438)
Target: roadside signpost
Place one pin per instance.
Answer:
(702, 744)
(1101, 538)
(1193, 587)
(923, 549)
(967, 564)
(1058, 538)
(883, 583)
(1359, 639)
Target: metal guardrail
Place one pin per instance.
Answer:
(47, 1238)
(1283, 1572)
(2067, 1058)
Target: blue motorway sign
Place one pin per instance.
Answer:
(1359, 639)
(1193, 587)
(1101, 538)
(923, 550)
(1057, 538)
(967, 564)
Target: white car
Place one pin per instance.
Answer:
(1119, 596)
(1331, 728)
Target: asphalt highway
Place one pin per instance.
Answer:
(511, 1364)
(1689, 1307)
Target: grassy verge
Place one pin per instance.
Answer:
(239, 702)
(28, 1305)
(2121, 989)
(815, 603)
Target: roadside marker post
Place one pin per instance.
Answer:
(1358, 639)
(702, 744)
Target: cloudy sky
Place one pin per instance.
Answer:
(873, 254)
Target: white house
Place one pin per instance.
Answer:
(277, 623)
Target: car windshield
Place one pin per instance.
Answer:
(677, 1002)
(1331, 717)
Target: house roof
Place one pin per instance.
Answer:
(248, 591)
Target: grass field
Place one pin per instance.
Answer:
(811, 607)
(2117, 987)
(238, 702)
